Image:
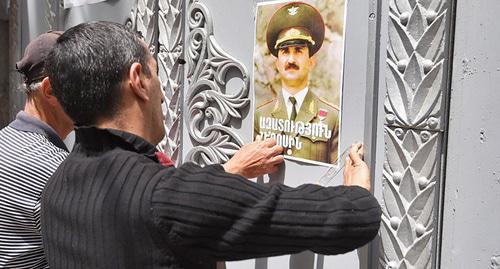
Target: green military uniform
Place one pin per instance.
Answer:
(313, 148)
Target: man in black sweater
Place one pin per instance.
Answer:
(112, 205)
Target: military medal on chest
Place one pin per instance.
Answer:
(322, 113)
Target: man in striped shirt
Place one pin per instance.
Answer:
(31, 149)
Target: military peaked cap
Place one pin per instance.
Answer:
(295, 23)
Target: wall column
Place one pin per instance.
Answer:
(417, 75)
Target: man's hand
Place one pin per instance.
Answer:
(356, 171)
(256, 159)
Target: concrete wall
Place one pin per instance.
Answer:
(470, 237)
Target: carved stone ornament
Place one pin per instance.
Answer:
(415, 63)
(410, 174)
(50, 9)
(144, 17)
(416, 81)
(211, 107)
(161, 22)
(171, 72)
(495, 262)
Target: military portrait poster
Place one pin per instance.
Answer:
(283, 31)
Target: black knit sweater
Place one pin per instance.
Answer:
(112, 205)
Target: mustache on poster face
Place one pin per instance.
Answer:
(291, 66)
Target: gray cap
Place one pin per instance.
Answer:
(32, 63)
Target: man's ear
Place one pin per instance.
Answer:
(313, 61)
(136, 83)
(48, 94)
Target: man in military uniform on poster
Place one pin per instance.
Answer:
(294, 34)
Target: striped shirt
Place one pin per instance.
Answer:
(30, 151)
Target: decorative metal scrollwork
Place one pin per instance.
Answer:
(210, 105)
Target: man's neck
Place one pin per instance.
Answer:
(46, 115)
(294, 89)
(31, 109)
(132, 125)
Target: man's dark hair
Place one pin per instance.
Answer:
(87, 65)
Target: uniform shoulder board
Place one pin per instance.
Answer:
(265, 103)
(328, 103)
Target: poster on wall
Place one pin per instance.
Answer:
(298, 62)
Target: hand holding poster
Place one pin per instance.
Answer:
(298, 70)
